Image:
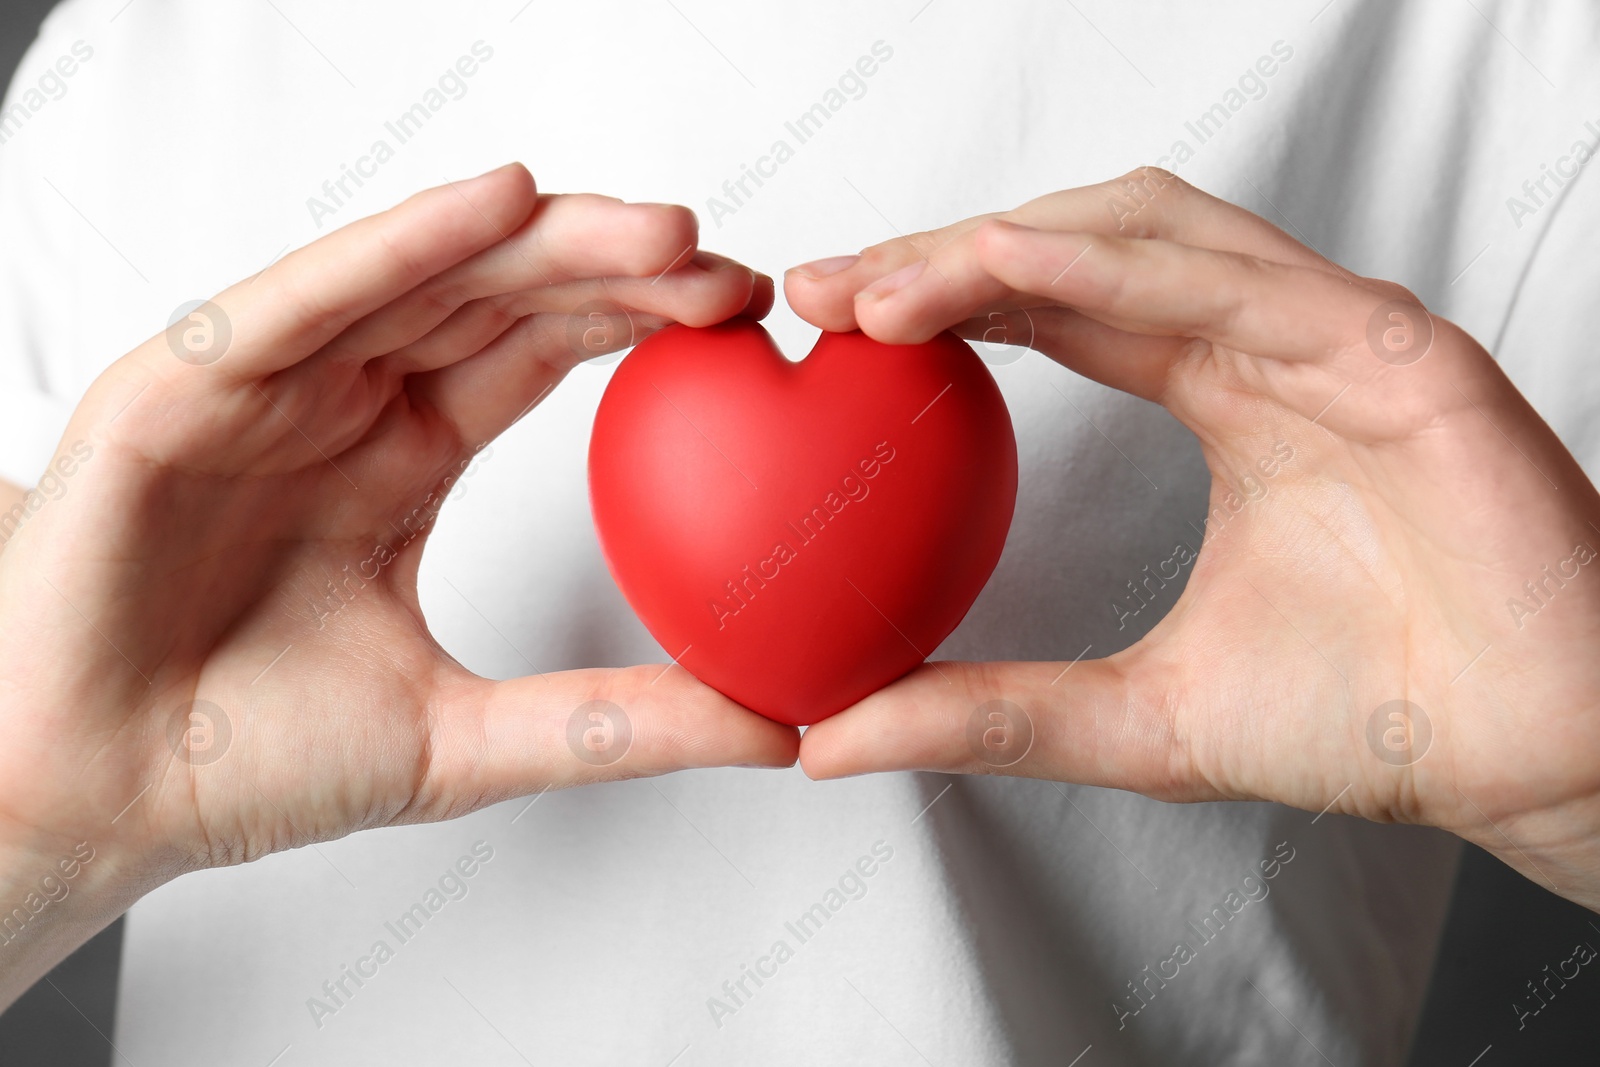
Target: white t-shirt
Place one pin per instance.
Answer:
(922, 918)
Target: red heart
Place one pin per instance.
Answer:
(798, 535)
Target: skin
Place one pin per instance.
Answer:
(1379, 565)
(9, 495)
(185, 556)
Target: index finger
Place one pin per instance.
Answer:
(1162, 288)
(938, 280)
(297, 305)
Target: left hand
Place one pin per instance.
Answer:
(1381, 565)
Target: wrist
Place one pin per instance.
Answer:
(53, 897)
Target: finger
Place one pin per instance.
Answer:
(479, 397)
(824, 292)
(1154, 203)
(487, 393)
(568, 238)
(1147, 202)
(762, 292)
(489, 741)
(300, 303)
(1166, 289)
(698, 295)
(1135, 363)
(484, 395)
(1084, 722)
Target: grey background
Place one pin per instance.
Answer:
(1502, 930)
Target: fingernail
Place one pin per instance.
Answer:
(892, 283)
(821, 268)
(498, 170)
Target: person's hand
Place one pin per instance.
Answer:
(210, 640)
(1389, 560)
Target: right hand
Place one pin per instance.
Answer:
(220, 499)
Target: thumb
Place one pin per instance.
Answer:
(490, 741)
(1084, 721)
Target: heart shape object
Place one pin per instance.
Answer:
(799, 535)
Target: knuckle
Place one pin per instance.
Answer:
(881, 256)
(1234, 292)
(1152, 173)
(590, 201)
(310, 305)
(1143, 182)
(500, 315)
(399, 252)
(924, 243)
(1388, 290)
(438, 302)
